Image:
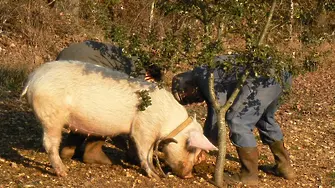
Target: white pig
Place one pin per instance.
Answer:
(99, 101)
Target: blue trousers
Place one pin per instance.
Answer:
(254, 107)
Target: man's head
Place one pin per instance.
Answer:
(185, 89)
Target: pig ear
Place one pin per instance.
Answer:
(198, 140)
(194, 117)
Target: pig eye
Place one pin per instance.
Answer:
(190, 149)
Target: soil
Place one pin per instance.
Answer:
(307, 120)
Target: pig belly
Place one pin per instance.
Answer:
(99, 127)
(105, 115)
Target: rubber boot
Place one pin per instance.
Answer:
(125, 143)
(282, 167)
(132, 154)
(249, 166)
(93, 152)
(71, 146)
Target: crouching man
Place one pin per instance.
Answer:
(254, 107)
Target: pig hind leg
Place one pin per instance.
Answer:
(52, 120)
(51, 141)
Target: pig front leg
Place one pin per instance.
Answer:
(145, 153)
(51, 141)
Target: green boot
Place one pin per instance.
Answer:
(283, 167)
(249, 166)
(71, 146)
(93, 152)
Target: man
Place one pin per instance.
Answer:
(255, 106)
(108, 56)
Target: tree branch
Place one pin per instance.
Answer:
(151, 18)
(261, 39)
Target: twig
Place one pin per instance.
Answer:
(51, 2)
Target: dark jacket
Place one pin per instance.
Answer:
(100, 54)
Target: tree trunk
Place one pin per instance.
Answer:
(222, 124)
(221, 111)
(151, 18)
(291, 19)
(265, 30)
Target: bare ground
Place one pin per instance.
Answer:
(307, 120)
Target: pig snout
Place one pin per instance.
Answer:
(183, 170)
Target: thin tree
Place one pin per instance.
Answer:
(151, 18)
(291, 19)
(221, 111)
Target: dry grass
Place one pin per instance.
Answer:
(32, 33)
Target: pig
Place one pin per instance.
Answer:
(95, 100)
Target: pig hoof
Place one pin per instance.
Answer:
(154, 175)
(60, 172)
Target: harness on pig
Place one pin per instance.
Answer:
(169, 138)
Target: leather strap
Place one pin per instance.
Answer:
(180, 128)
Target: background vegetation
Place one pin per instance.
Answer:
(180, 33)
